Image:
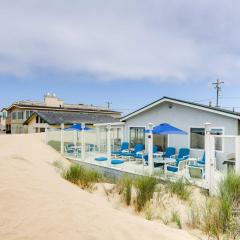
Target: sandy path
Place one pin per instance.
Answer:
(36, 203)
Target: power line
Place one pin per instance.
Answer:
(218, 88)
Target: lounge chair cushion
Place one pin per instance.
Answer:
(172, 168)
(117, 161)
(100, 159)
(128, 154)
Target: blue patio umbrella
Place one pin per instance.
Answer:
(77, 127)
(165, 129)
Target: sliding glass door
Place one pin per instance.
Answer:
(136, 135)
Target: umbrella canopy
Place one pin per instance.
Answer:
(166, 129)
(77, 127)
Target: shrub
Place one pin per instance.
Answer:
(125, 188)
(179, 188)
(145, 187)
(81, 176)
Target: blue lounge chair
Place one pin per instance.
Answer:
(138, 148)
(202, 161)
(124, 146)
(145, 156)
(180, 163)
(169, 152)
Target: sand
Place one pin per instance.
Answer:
(37, 203)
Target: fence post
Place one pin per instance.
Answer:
(109, 143)
(98, 139)
(62, 138)
(83, 141)
(46, 135)
(237, 161)
(150, 149)
(207, 154)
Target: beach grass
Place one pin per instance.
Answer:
(145, 187)
(81, 176)
(179, 188)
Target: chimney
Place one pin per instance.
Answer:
(51, 100)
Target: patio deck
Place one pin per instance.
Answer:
(130, 167)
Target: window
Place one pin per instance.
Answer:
(218, 141)
(4, 115)
(197, 138)
(20, 115)
(28, 114)
(137, 135)
(14, 115)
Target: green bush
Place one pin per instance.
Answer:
(179, 188)
(125, 188)
(145, 187)
(82, 176)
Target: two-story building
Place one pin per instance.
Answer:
(14, 117)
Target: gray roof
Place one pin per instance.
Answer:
(57, 118)
(217, 109)
(65, 107)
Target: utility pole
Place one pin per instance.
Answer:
(108, 104)
(217, 86)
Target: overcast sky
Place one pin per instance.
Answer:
(119, 43)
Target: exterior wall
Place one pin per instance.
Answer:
(184, 118)
(3, 121)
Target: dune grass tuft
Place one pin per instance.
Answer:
(145, 187)
(124, 186)
(176, 218)
(81, 176)
(179, 188)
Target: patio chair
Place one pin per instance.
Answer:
(141, 156)
(169, 152)
(197, 169)
(181, 161)
(138, 148)
(69, 149)
(124, 147)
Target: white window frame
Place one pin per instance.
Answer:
(137, 126)
(214, 127)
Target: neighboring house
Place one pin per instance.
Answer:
(20, 111)
(41, 120)
(187, 116)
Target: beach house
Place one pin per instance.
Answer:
(50, 113)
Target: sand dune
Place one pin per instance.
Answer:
(36, 203)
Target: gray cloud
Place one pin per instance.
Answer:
(158, 40)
